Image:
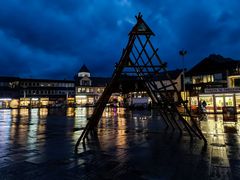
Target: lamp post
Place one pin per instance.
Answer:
(67, 95)
(183, 53)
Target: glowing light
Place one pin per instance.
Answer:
(5, 99)
(81, 96)
(70, 112)
(43, 112)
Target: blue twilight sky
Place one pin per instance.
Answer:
(53, 38)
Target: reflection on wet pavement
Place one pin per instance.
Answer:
(39, 143)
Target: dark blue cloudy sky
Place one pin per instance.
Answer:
(53, 38)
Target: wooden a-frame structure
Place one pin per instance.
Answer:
(140, 59)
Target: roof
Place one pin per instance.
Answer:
(100, 81)
(103, 81)
(46, 80)
(213, 64)
(174, 74)
(8, 78)
(84, 69)
(95, 81)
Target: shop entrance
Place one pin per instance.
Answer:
(209, 102)
(237, 96)
(219, 101)
(229, 101)
(224, 100)
(81, 100)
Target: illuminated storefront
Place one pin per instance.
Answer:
(34, 102)
(25, 102)
(44, 102)
(194, 103)
(237, 101)
(5, 102)
(86, 100)
(218, 98)
(90, 100)
(70, 101)
(83, 100)
(14, 103)
(116, 100)
(209, 99)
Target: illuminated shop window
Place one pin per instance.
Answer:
(209, 100)
(202, 79)
(98, 90)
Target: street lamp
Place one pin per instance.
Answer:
(183, 53)
(67, 95)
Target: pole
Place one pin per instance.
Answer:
(183, 54)
(184, 89)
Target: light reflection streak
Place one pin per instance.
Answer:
(24, 112)
(70, 112)
(121, 124)
(25, 126)
(80, 117)
(33, 126)
(43, 112)
(5, 122)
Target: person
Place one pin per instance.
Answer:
(202, 110)
(204, 104)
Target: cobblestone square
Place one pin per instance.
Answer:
(39, 144)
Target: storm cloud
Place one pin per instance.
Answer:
(52, 39)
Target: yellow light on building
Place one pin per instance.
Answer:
(70, 100)
(24, 102)
(14, 103)
(81, 100)
(5, 102)
(70, 112)
(44, 101)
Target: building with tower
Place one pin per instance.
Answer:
(88, 89)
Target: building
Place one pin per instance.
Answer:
(214, 80)
(176, 77)
(85, 90)
(128, 91)
(21, 92)
(88, 89)
(140, 95)
(9, 92)
(46, 92)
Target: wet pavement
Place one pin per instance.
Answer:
(39, 144)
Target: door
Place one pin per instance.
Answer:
(219, 103)
(229, 101)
